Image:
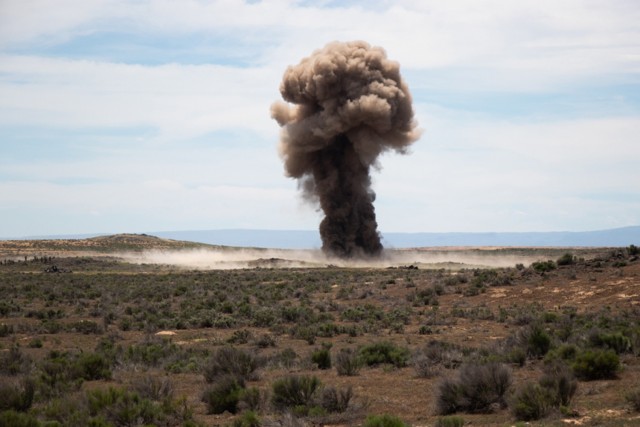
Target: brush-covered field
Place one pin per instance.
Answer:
(91, 337)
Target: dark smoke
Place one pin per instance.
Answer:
(350, 105)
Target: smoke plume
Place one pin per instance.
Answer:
(349, 105)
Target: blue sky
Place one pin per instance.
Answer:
(153, 115)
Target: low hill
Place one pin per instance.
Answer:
(100, 244)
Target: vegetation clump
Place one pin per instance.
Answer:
(475, 389)
(384, 352)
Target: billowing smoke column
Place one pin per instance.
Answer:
(350, 105)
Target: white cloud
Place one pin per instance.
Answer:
(179, 100)
(481, 175)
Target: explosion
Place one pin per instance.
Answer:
(350, 104)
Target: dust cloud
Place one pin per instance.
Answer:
(227, 258)
(350, 104)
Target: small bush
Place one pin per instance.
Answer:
(560, 382)
(266, 340)
(16, 396)
(151, 352)
(155, 388)
(241, 336)
(555, 389)
(36, 343)
(92, 366)
(12, 418)
(14, 362)
(334, 400)
(292, 391)
(565, 352)
(232, 361)
(5, 330)
(443, 353)
(614, 341)
(322, 358)
(250, 399)
(449, 397)
(450, 421)
(347, 362)
(384, 421)
(596, 364)
(247, 419)
(476, 389)
(86, 327)
(115, 406)
(224, 395)
(633, 397)
(566, 259)
(285, 358)
(535, 340)
(543, 266)
(384, 352)
(531, 402)
(423, 366)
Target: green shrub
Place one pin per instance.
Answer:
(476, 389)
(232, 361)
(633, 397)
(241, 336)
(347, 362)
(450, 421)
(224, 395)
(36, 343)
(535, 339)
(543, 266)
(322, 357)
(614, 341)
(560, 382)
(443, 353)
(596, 364)
(565, 352)
(68, 411)
(566, 259)
(12, 418)
(116, 406)
(59, 374)
(334, 400)
(247, 419)
(250, 399)
(384, 420)
(5, 330)
(384, 352)
(92, 366)
(285, 358)
(151, 352)
(154, 387)
(17, 396)
(423, 366)
(14, 362)
(292, 391)
(86, 327)
(449, 396)
(633, 250)
(531, 402)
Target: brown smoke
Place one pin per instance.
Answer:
(350, 105)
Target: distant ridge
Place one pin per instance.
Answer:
(310, 239)
(306, 239)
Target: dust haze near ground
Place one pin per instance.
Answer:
(279, 258)
(347, 105)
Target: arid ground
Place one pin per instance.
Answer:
(136, 330)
